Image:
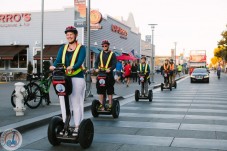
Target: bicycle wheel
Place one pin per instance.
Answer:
(34, 97)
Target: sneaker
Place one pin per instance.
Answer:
(109, 107)
(101, 108)
(62, 132)
(75, 132)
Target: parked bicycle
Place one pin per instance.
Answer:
(35, 93)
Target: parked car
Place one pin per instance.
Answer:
(200, 75)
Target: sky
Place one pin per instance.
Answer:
(192, 24)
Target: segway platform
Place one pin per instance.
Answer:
(138, 95)
(163, 86)
(114, 111)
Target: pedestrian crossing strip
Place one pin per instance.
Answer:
(194, 119)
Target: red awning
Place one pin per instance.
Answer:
(48, 52)
(7, 52)
(125, 57)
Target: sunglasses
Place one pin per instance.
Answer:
(104, 45)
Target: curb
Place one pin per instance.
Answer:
(159, 85)
(44, 119)
(40, 120)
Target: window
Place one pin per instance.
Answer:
(20, 60)
(2, 64)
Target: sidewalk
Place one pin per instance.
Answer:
(43, 113)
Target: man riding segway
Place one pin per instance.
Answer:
(166, 74)
(104, 65)
(144, 79)
(172, 73)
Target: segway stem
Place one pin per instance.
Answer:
(68, 114)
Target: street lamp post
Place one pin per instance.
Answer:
(41, 50)
(175, 52)
(88, 59)
(153, 53)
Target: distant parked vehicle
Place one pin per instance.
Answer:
(200, 75)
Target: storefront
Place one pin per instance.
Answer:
(23, 30)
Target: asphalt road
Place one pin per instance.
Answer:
(191, 118)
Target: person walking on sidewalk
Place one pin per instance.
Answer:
(134, 71)
(127, 73)
(72, 56)
(144, 68)
(106, 60)
(118, 71)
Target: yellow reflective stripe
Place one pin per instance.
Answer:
(101, 59)
(109, 58)
(146, 68)
(75, 55)
(63, 54)
(74, 72)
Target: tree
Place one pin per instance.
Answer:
(215, 60)
(222, 46)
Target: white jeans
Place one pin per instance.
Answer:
(76, 101)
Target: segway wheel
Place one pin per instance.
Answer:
(137, 93)
(161, 86)
(94, 108)
(150, 95)
(175, 84)
(115, 109)
(55, 126)
(86, 133)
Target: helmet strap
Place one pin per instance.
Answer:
(73, 41)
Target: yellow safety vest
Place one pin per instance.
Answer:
(145, 68)
(107, 63)
(145, 71)
(74, 57)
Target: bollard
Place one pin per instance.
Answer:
(19, 97)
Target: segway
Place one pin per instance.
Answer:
(115, 108)
(138, 95)
(63, 87)
(174, 84)
(166, 84)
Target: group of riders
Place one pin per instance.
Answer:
(169, 72)
(73, 54)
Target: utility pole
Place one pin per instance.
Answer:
(41, 50)
(88, 56)
(175, 52)
(153, 53)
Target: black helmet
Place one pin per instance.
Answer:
(105, 42)
(71, 29)
(144, 57)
